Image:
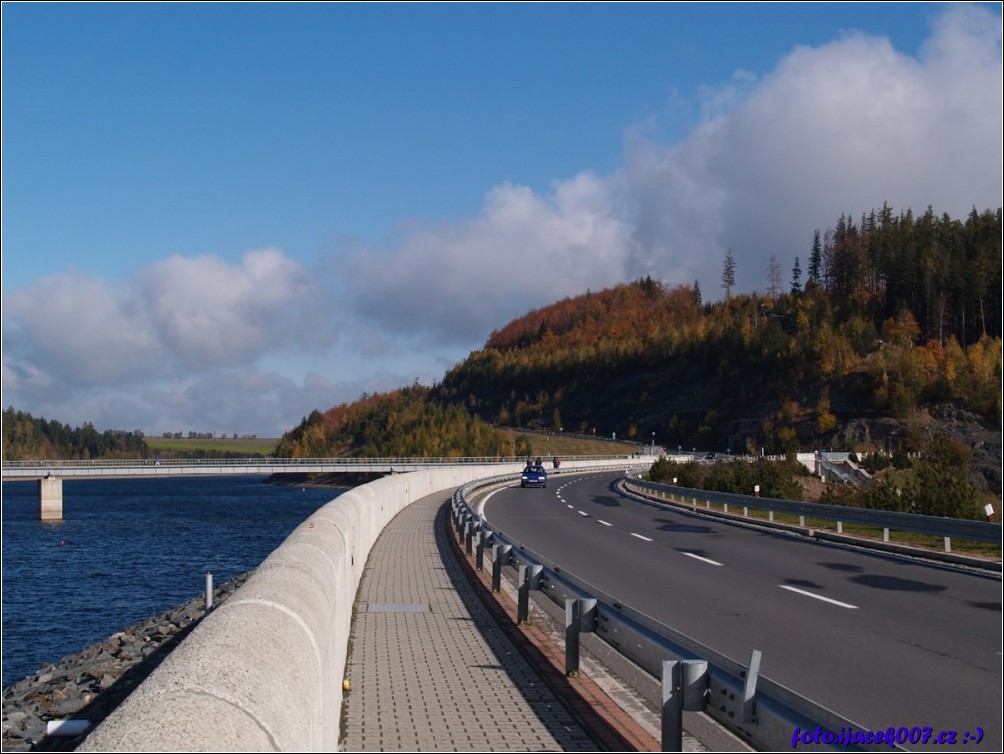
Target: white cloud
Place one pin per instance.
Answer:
(837, 129)
(179, 316)
(841, 128)
(457, 281)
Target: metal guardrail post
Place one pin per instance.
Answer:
(672, 706)
(572, 616)
(529, 578)
(695, 685)
(499, 555)
(749, 687)
(469, 531)
(684, 687)
(479, 551)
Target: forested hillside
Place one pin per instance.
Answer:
(25, 436)
(888, 336)
(894, 313)
(402, 423)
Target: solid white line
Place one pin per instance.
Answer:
(706, 560)
(640, 537)
(481, 503)
(604, 522)
(818, 597)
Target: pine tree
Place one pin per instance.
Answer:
(729, 274)
(773, 277)
(816, 259)
(697, 293)
(796, 278)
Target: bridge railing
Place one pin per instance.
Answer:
(694, 677)
(56, 465)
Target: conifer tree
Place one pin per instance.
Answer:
(729, 274)
(796, 278)
(816, 259)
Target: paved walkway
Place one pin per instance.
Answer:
(431, 668)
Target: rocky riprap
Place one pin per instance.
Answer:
(91, 684)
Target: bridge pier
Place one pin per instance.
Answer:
(50, 499)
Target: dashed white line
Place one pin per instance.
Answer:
(703, 559)
(640, 537)
(818, 597)
(583, 513)
(572, 507)
(603, 522)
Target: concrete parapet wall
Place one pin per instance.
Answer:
(264, 671)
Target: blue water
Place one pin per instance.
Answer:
(126, 550)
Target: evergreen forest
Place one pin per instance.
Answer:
(29, 437)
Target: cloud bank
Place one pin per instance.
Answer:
(841, 128)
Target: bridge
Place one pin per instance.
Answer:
(266, 670)
(50, 474)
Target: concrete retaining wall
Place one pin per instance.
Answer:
(264, 671)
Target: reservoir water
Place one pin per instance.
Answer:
(126, 550)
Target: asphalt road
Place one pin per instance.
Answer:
(880, 640)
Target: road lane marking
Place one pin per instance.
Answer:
(640, 537)
(603, 522)
(818, 597)
(583, 513)
(572, 507)
(706, 560)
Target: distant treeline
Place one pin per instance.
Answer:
(28, 438)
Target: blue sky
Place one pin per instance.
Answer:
(217, 217)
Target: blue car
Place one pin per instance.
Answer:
(533, 476)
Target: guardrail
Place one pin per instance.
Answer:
(694, 677)
(15, 469)
(948, 528)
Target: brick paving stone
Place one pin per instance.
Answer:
(431, 669)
